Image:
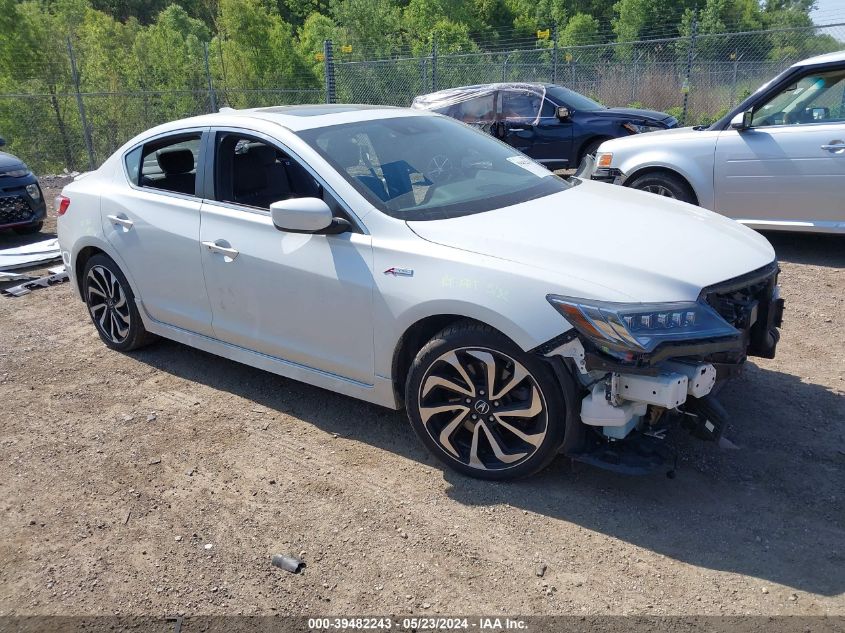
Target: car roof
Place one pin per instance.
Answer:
(514, 85)
(294, 118)
(838, 56)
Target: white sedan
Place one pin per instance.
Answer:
(406, 259)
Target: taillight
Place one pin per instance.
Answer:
(62, 203)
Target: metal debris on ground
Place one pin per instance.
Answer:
(36, 253)
(7, 276)
(42, 282)
(289, 563)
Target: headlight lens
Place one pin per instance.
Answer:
(637, 128)
(33, 191)
(641, 327)
(16, 173)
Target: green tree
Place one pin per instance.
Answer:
(257, 51)
(581, 30)
(317, 29)
(372, 27)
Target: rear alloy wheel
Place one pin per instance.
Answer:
(483, 406)
(111, 305)
(664, 184)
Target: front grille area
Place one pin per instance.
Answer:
(750, 303)
(14, 209)
(738, 300)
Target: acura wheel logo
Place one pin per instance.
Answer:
(482, 407)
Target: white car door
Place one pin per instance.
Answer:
(788, 168)
(151, 216)
(303, 298)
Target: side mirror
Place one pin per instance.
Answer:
(563, 113)
(306, 215)
(742, 121)
(2, 141)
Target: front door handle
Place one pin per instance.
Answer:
(126, 223)
(214, 247)
(834, 146)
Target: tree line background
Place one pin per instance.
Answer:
(142, 62)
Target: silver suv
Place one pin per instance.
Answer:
(776, 162)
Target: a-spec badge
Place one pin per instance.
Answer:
(400, 272)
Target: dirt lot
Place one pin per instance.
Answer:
(160, 482)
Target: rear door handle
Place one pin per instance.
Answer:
(835, 146)
(126, 223)
(214, 247)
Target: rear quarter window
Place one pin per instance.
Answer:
(133, 165)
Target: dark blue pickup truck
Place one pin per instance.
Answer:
(552, 124)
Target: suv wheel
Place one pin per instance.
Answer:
(664, 184)
(483, 406)
(111, 305)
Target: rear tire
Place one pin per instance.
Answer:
(509, 429)
(111, 305)
(29, 230)
(665, 184)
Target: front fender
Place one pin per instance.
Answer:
(695, 167)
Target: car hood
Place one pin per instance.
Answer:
(599, 241)
(9, 161)
(634, 114)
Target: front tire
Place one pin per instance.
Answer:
(484, 407)
(111, 305)
(665, 184)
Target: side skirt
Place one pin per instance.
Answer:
(380, 393)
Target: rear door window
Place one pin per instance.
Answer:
(167, 164)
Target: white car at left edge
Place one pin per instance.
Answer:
(406, 259)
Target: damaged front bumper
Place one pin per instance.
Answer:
(630, 400)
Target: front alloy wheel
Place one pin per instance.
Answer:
(483, 406)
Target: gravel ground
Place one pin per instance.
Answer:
(160, 482)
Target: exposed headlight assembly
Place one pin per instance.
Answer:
(636, 128)
(641, 327)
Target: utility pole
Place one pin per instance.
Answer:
(328, 61)
(554, 52)
(86, 132)
(690, 55)
(434, 62)
(212, 97)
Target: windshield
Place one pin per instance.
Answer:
(431, 167)
(573, 100)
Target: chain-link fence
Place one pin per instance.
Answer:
(65, 112)
(697, 78)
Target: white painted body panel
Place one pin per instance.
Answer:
(322, 310)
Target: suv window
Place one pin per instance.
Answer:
(169, 164)
(476, 110)
(816, 98)
(253, 173)
(520, 104)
